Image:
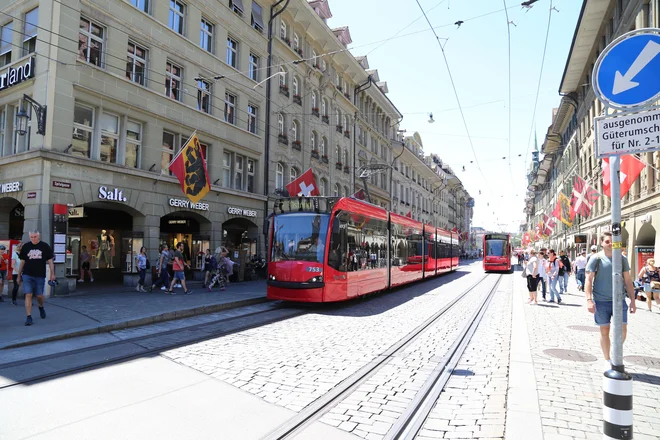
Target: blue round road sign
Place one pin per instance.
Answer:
(627, 72)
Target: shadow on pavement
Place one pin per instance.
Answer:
(646, 378)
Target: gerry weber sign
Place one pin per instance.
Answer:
(16, 75)
(180, 203)
(114, 194)
(241, 211)
(11, 187)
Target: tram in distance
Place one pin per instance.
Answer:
(325, 249)
(497, 252)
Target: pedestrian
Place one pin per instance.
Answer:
(34, 255)
(579, 266)
(15, 264)
(161, 269)
(599, 290)
(209, 267)
(4, 266)
(594, 250)
(532, 270)
(553, 276)
(566, 266)
(178, 266)
(543, 272)
(85, 261)
(141, 263)
(651, 277)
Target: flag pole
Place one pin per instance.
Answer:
(176, 156)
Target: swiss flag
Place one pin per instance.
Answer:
(409, 215)
(629, 170)
(454, 229)
(305, 185)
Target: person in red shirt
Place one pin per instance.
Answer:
(4, 259)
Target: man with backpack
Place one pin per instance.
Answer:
(599, 291)
(564, 271)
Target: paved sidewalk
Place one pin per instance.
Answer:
(113, 309)
(567, 369)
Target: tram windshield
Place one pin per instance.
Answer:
(299, 237)
(496, 248)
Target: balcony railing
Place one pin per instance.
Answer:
(326, 119)
(315, 112)
(339, 128)
(296, 145)
(347, 170)
(283, 139)
(347, 134)
(297, 99)
(284, 90)
(339, 166)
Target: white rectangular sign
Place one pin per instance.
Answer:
(627, 133)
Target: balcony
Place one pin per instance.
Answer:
(284, 90)
(347, 170)
(283, 139)
(347, 96)
(326, 119)
(347, 134)
(286, 40)
(296, 145)
(315, 154)
(315, 112)
(324, 158)
(299, 51)
(297, 99)
(339, 128)
(339, 166)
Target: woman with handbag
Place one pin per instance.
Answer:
(651, 278)
(532, 274)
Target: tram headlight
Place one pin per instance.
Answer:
(318, 279)
(271, 277)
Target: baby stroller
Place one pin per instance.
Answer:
(221, 277)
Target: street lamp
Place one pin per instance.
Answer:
(22, 117)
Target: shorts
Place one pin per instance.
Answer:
(33, 285)
(179, 275)
(603, 313)
(3, 275)
(85, 265)
(532, 283)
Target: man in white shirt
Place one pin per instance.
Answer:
(579, 266)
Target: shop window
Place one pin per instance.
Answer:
(30, 31)
(83, 129)
(169, 149)
(136, 63)
(133, 144)
(6, 35)
(90, 41)
(109, 137)
(250, 175)
(130, 248)
(173, 78)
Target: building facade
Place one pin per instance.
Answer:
(568, 147)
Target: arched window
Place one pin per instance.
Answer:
(296, 41)
(337, 191)
(293, 174)
(282, 77)
(323, 152)
(324, 107)
(338, 153)
(280, 123)
(346, 121)
(314, 100)
(338, 116)
(345, 157)
(294, 131)
(279, 176)
(296, 90)
(313, 140)
(283, 33)
(323, 187)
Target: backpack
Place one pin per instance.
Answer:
(565, 263)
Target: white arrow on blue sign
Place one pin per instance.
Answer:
(627, 72)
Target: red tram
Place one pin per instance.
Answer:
(325, 249)
(497, 252)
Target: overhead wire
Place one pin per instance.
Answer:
(508, 35)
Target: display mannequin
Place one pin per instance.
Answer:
(106, 244)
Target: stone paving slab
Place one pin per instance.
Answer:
(570, 391)
(80, 315)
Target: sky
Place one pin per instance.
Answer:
(477, 53)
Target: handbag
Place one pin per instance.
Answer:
(524, 272)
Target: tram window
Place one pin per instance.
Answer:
(338, 253)
(366, 243)
(300, 237)
(496, 248)
(406, 245)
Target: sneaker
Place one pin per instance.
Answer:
(558, 301)
(137, 288)
(42, 312)
(551, 301)
(188, 292)
(28, 320)
(81, 280)
(172, 292)
(210, 290)
(177, 286)
(163, 288)
(92, 280)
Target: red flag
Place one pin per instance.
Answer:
(629, 170)
(583, 197)
(526, 239)
(359, 194)
(557, 212)
(305, 185)
(189, 166)
(409, 215)
(454, 229)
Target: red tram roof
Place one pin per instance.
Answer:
(359, 207)
(405, 221)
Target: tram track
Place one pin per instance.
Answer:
(409, 423)
(141, 346)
